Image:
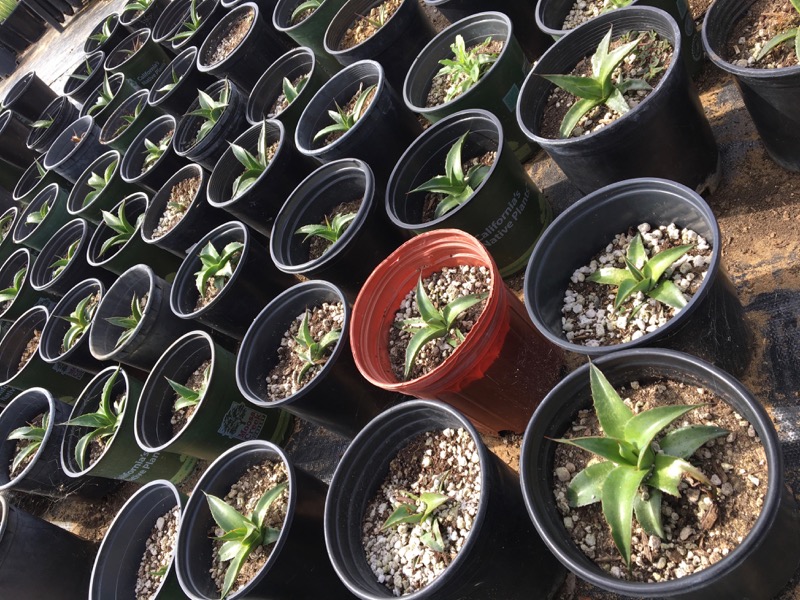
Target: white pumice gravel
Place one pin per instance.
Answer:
(157, 555)
(583, 11)
(589, 317)
(447, 462)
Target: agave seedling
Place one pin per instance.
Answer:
(104, 99)
(123, 229)
(631, 463)
(466, 67)
(600, 88)
(330, 230)
(433, 323)
(105, 31)
(210, 110)
(176, 79)
(79, 321)
(8, 294)
(291, 92)
(155, 151)
(417, 512)
(644, 275)
(82, 76)
(102, 424)
(380, 19)
(137, 6)
(42, 123)
(216, 266)
(456, 186)
(130, 118)
(187, 396)
(40, 170)
(36, 217)
(33, 435)
(311, 5)
(344, 120)
(188, 27)
(792, 34)
(129, 323)
(59, 265)
(254, 166)
(311, 351)
(99, 182)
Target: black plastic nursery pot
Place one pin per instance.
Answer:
(310, 32)
(550, 15)
(209, 12)
(164, 168)
(118, 133)
(114, 574)
(28, 545)
(507, 212)
(118, 33)
(222, 419)
(497, 89)
(138, 58)
(63, 381)
(168, 22)
(36, 235)
(197, 221)
(51, 347)
(487, 565)
(245, 63)
(382, 133)
(269, 87)
(133, 20)
(42, 476)
(74, 149)
(366, 241)
(337, 398)
(711, 326)
(89, 75)
(62, 112)
(667, 135)
(29, 96)
(31, 184)
(758, 568)
(121, 459)
(120, 87)
(176, 100)
(13, 135)
(115, 189)
(21, 258)
(157, 329)
(259, 204)
(298, 566)
(770, 95)
(120, 258)
(78, 269)
(9, 219)
(394, 45)
(208, 150)
(255, 281)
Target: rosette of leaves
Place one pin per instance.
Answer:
(633, 476)
(105, 31)
(454, 185)
(210, 110)
(311, 351)
(9, 293)
(188, 27)
(186, 396)
(130, 118)
(99, 182)
(59, 265)
(330, 230)
(434, 323)
(123, 229)
(176, 79)
(36, 217)
(242, 534)
(33, 435)
(217, 267)
(600, 88)
(155, 151)
(790, 35)
(466, 67)
(311, 5)
(79, 321)
(137, 6)
(102, 424)
(291, 91)
(420, 510)
(129, 323)
(104, 99)
(344, 120)
(644, 275)
(254, 165)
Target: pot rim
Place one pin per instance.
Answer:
(187, 55)
(138, 142)
(77, 124)
(19, 251)
(89, 58)
(102, 227)
(186, 172)
(69, 300)
(225, 21)
(81, 181)
(125, 104)
(340, 14)
(20, 323)
(38, 393)
(76, 226)
(274, 70)
(47, 193)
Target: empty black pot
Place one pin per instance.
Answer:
(86, 77)
(119, 131)
(29, 96)
(13, 137)
(33, 182)
(61, 112)
(8, 221)
(74, 149)
(163, 168)
(173, 96)
(138, 58)
(28, 232)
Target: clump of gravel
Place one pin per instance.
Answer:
(195, 382)
(760, 23)
(589, 317)
(583, 11)
(442, 287)
(180, 197)
(157, 554)
(446, 462)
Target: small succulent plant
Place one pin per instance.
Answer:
(9, 293)
(105, 31)
(311, 351)
(83, 76)
(380, 19)
(455, 185)
(33, 435)
(311, 5)
(600, 88)
(243, 534)
(420, 510)
(155, 151)
(137, 6)
(99, 182)
(176, 79)
(330, 230)
(128, 120)
(434, 323)
(188, 27)
(217, 267)
(631, 464)
(79, 321)
(105, 97)
(129, 323)
(187, 396)
(644, 275)
(5, 225)
(790, 35)
(254, 165)
(123, 229)
(59, 265)
(42, 123)
(102, 424)
(210, 110)
(292, 91)
(36, 217)
(466, 67)
(344, 120)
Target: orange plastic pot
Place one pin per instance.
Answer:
(497, 376)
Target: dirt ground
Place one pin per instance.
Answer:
(758, 208)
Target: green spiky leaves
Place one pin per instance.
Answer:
(79, 321)
(455, 185)
(466, 67)
(186, 396)
(129, 323)
(292, 91)
(153, 152)
(137, 6)
(42, 123)
(176, 79)
(59, 265)
(630, 462)
(790, 35)
(217, 267)
(104, 98)
(5, 225)
(122, 228)
(105, 31)
(210, 110)
(330, 230)
(83, 76)
(311, 351)
(343, 119)
(419, 511)
(98, 183)
(600, 88)
(434, 323)
(36, 217)
(33, 435)
(188, 27)
(644, 275)
(243, 534)
(254, 165)
(10, 293)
